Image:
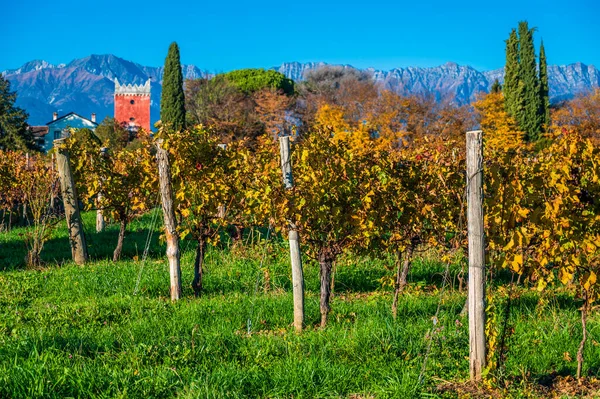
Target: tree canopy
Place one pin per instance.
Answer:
(250, 81)
(525, 89)
(172, 101)
(14, 132)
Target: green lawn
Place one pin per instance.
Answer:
(71, 331)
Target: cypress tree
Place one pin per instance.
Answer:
(172, 101)
(496, 87)
(544, 88)
(529, 119)
(511, 74)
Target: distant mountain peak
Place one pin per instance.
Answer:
(461, 82)
(34, 65)
(86, 85)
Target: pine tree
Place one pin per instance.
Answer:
(529, 119)
(14, 132)
(544, 88)
(172, 101)
(511, 74)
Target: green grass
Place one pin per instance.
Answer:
(83, 331)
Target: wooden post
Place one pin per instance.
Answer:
(295, 254)
(100, 222)
(27, 167)
(222, 209)
(52, 174)
(71, 204)
(99, 215)
(166, 194)
(476, 299)
(286, 163)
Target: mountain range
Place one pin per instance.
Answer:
(86, 85)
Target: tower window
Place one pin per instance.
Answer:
(132, 102)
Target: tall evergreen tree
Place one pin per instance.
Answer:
(511, 74)
(544, 88)
(529, 119)
(496, 87)
(172, 101)
(14, 132)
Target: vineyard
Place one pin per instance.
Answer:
(332, 264)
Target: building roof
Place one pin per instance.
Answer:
(69, 114)
(38, 131)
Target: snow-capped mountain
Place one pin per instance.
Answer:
(86, 85)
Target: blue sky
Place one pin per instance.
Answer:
(224, 35)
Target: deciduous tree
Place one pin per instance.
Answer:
(580, 115)
(249, 81)
(218, 105)
(113, 134)
(271, 108)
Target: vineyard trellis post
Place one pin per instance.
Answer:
(100, 223)
(222, 209)
(172, 236)
(476, 243)
(99, 216)
(27, 167)
(295, 254)
(71, 204)
(52, 160)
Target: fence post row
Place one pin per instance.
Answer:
(166, 194)
(71, 204)
(476, 239)
(295, 255)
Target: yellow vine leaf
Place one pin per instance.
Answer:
(304, 156)
(589, 280)
(517, 263)
(509, 246)
(589, 247)
(542, 283)
(565, 276)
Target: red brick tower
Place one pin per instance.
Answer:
(132, 105)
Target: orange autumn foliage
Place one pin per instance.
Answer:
(580, 115)
(501, 130)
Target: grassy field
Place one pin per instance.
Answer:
(108, 329)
